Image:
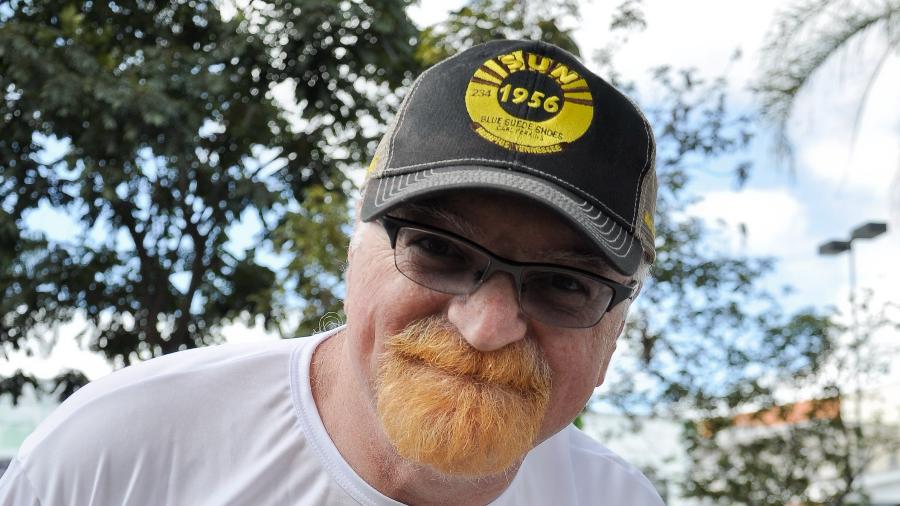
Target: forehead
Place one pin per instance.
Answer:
(509, 225)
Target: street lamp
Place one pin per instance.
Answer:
(868, 230)
(835, 247)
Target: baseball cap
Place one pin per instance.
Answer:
(527, 118)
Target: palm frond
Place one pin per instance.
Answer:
(808, 34)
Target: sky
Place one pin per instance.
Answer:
(836, 185)
(838, 182)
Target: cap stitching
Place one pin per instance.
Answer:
(397, 185)
(612, 227)
(637, 195)
(528, 167)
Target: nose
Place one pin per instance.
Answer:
(489, 318)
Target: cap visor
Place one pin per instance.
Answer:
(619, 247)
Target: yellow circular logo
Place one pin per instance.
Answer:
(529, 103)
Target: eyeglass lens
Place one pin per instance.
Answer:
(555, 296)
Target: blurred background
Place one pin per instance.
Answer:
(176, 174)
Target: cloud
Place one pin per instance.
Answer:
(781, 224)
(869, 167)
(773, 219)
(701, 34)
(849, 142)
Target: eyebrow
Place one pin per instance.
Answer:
(443, 217)
(577, 259)
(580, 260)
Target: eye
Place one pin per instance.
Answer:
(566, 283)
(435, 246)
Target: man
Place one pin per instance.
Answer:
(503, 232)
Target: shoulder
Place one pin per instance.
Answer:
(152, 422)
(576, 469)
(163, 384)
(620, 478)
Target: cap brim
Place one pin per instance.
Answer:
(620, 248)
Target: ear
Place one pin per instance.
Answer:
(601, 375)
(620, 313)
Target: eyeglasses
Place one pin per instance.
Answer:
(447, 263)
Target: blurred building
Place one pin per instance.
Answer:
(881, 481)
(655, 445)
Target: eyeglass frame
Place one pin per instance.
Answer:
(496, 263)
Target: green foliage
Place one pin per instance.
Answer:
(806, 35)
(811, 452)
(709, 339)
(156, 126)
(317, 228)
(480, 21)
(14, 385)
(705, 310)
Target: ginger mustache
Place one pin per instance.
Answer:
(460, 411)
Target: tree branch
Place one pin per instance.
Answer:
(181, 334)
(151, 278)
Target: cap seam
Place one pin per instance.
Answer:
(644, 173)
(637, 195)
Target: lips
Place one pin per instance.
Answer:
(488, 374)
(517, 366)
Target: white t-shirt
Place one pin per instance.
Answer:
(237, 425)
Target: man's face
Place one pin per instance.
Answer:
(387, 311)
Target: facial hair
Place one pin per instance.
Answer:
(460, 411)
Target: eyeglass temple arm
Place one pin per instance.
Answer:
(636, 287)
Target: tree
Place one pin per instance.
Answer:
(811, 452)
(709, 341)
(158, 123)
(480, 21)
(807, 35)
(708, 338)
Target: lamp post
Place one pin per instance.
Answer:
(835, 247)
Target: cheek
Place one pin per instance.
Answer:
(576, 362)
(381, 302)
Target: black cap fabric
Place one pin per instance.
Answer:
(526, 118)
